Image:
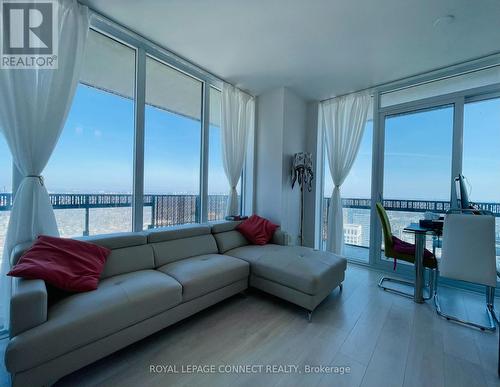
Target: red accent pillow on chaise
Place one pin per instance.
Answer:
(257, 230)
(67, 264)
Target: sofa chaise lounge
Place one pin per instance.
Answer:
(150, 281)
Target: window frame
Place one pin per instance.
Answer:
(204, 133)
(146, 48)
(458, 99)
(143, 48)
(207, 81)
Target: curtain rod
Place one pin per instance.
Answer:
(137, 36)
(369, 89)
(495, 57)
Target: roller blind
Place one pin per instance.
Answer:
(107, 66)
(443, 86)
(172, 90)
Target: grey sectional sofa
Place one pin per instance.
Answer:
(297, 274)
(150, 281)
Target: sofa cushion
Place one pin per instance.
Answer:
(206, 273)
(177, 232)
(300, 268)
(67, 264)
(18, 251)
(224, 225)
(129, 252)
(120, 261)
(82, 318)
(117, 240)
(128, 260)
(226, 236)
(251, 253)
(229, 240)
(177, 249)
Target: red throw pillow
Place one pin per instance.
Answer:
(67, 264)
(257, 230)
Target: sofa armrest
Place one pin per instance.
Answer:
(280, 237)
(18, 251)
(28, 305)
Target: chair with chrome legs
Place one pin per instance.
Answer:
(469, 255)
(397, 249)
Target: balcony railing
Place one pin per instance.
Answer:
(393, 207)
(166, 210)
(410, 205)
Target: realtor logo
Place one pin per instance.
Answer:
(29, 34)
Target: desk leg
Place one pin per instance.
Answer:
(419, 267)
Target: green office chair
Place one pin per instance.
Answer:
(403, 251)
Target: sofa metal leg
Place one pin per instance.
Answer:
(341, 287)
(309, 315)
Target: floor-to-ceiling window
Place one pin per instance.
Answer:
(417, 164)
(217, 182)
(95, 177)
(356, 194)
(172, 147)
(423, 136)
(218, 187)
(90, 172)
(481, 156)
(450, 127)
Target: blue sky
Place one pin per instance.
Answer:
(481, 163)
(418, 155)
(95, 152)
(417, 162)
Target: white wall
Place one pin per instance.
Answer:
(268, 161)
(280, 133)
(294, 140)
(311, 209)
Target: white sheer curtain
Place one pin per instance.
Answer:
(344, 121)
(238, 110)
(34, 104)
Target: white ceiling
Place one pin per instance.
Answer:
(318, 48)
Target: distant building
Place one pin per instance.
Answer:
(353, 234)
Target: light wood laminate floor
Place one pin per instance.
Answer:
(385, 339)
